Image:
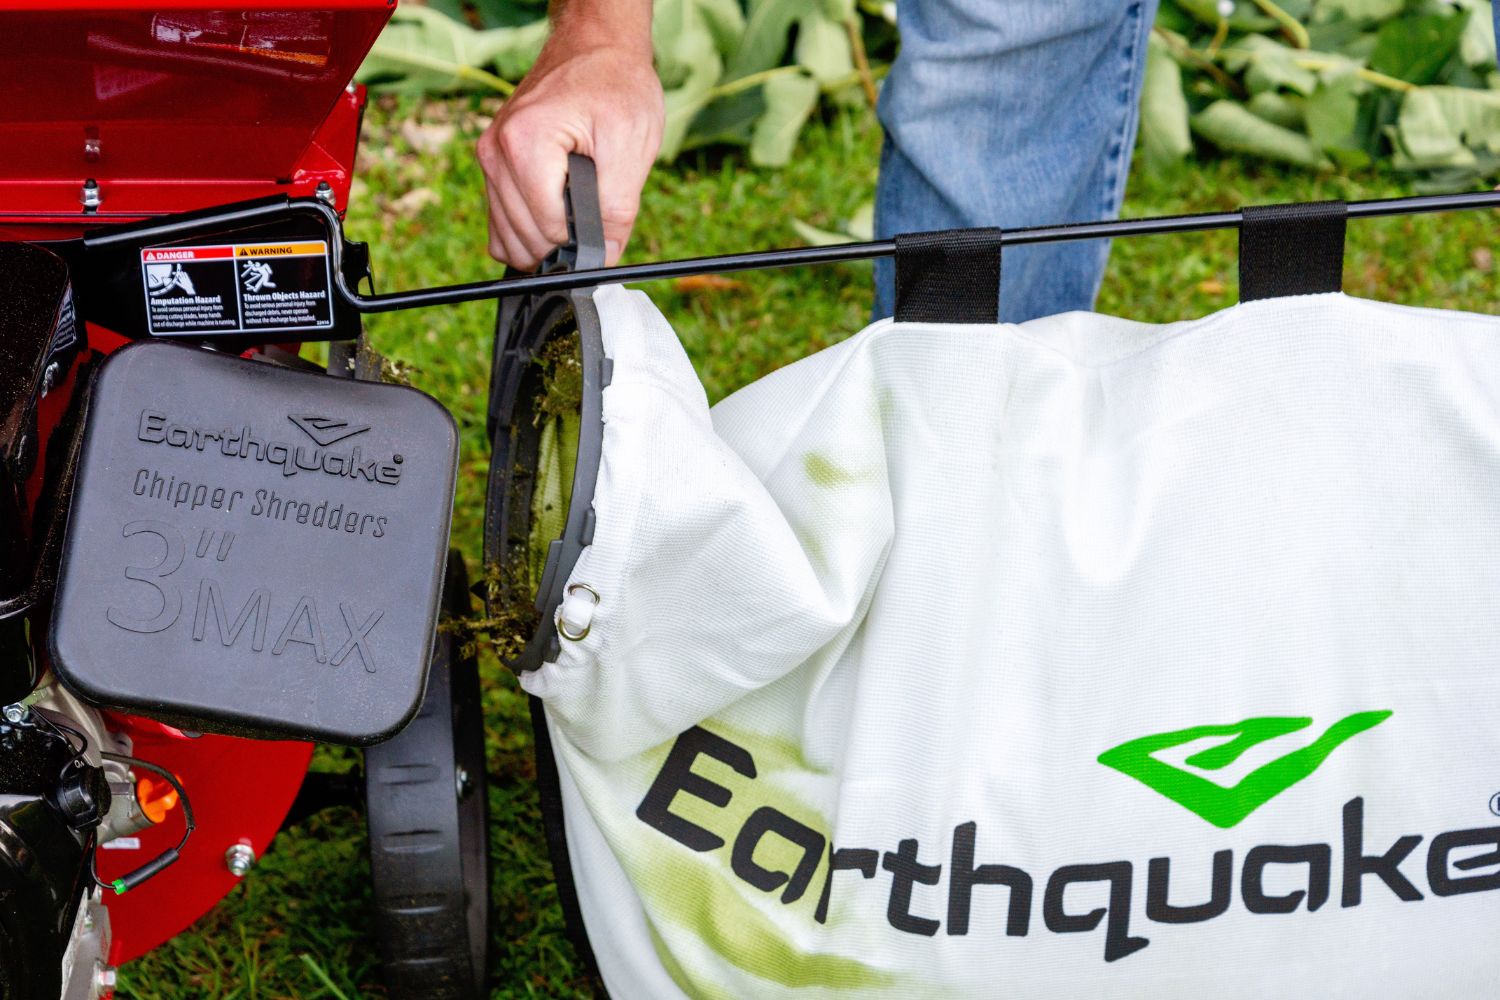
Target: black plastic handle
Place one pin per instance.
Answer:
(584, 250)
(525, 324)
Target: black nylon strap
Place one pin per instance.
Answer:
(1292, 249)
(949, 276)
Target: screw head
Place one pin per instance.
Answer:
(324, 193)
(15, 713)
(90, 195)
(239, 859)
(463, 782)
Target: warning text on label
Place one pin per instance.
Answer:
(237, 288)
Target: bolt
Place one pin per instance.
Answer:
(90, 195)
(324, 193)
(239, 858)
(463, 783)
(104, 980)
(15, 714)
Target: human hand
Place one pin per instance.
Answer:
(592, 91)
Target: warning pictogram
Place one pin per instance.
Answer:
(237, 288)
(257, 276)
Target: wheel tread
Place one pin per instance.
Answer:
(429, 864)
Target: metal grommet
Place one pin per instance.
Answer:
(577, 631)
(562, 630)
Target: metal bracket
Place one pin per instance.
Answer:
(324, 790)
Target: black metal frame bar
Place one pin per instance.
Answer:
(184, 226)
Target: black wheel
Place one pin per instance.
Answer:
(428, 815)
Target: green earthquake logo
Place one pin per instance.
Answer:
(1225, 806)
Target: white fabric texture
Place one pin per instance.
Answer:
(891, 604)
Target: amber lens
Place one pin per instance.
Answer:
(156, 798)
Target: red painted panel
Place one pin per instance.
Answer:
(171, 109)
(138, 5)
(29, 209)
(239, 789)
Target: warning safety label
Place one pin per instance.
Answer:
(237, 288)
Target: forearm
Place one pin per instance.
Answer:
(621, 23)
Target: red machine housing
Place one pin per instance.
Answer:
(175, 106)
(118, 110)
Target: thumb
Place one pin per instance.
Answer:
(619, 203)
(621, 178)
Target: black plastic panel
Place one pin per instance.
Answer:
(255, 550)
(128, 281)
(38, 343)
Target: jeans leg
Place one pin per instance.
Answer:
(1012, 113)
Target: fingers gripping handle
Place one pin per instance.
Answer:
(584, 250)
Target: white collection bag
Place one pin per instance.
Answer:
(1079, 658)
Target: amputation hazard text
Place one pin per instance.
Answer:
(259, 287)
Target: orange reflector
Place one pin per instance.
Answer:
(156, 798)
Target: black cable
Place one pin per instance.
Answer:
(62, 727)
(168, 857)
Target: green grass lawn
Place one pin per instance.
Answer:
(300, 926)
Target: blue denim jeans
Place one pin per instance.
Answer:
(1012, 113)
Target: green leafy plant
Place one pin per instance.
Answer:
(1328, 85)
(1325, 85)
(426, 51)
(745, 73)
